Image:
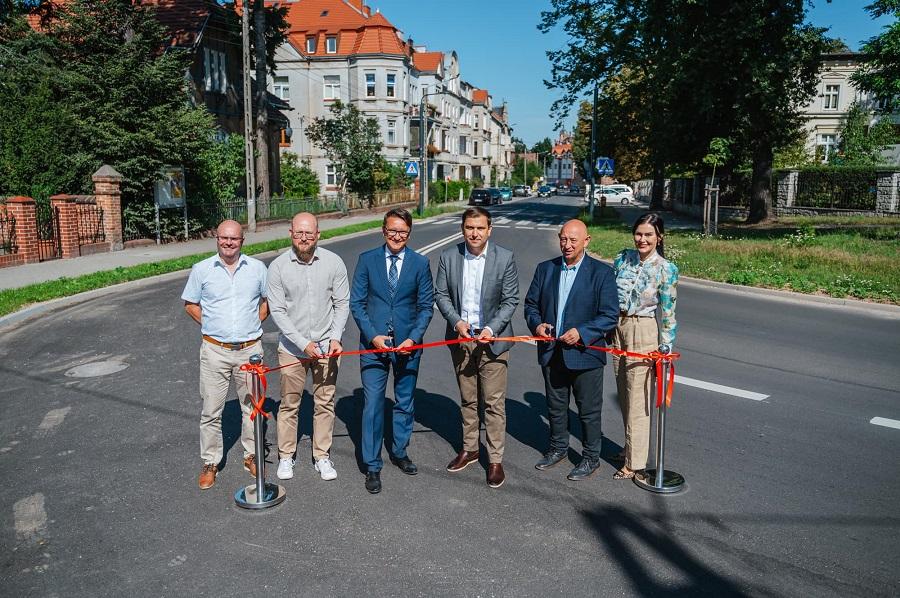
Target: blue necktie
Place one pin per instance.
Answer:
(393, 276)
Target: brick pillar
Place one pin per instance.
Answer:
(786, 187)
(107, 183)
(67, 210)
(887, 191)
(23, 209)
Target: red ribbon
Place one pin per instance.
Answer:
(259, 370)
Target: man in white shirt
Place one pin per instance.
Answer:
(477, 291)
(309, 299)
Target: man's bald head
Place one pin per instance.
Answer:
(573, 241)
(304, 220)
(229, 238)
(304, 235)
(230, 228)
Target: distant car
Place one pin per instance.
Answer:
(480, 197)
(613, 194)
(521, 191)
(562, 189)
(575, 190)
(505, 193)
(544, 191)
(552, 188)
(496, 195)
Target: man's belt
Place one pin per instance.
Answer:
(236, 346)
(624, 314)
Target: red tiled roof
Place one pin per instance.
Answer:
(428, 62)
(358, 30)
(479, 96)
(562, 148)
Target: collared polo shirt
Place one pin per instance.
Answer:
(229, 302)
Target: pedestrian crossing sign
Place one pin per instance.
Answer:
(605, 166)
(411, 168)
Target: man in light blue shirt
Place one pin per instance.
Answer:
(226, 295)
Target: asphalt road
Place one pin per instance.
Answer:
(792, 495)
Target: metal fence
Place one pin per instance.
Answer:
(836, 190)
(8, 244)
(90, 223)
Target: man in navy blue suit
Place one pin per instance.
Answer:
(572, 297)
(392, 301)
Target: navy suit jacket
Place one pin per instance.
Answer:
(408, 313)
(592, 309)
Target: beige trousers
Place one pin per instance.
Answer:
(476, 369)
(218, 366)
(293, 380)
(634, 382)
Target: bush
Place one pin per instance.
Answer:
(297, 178)
(438, 194)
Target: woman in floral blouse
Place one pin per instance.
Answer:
(646, 281)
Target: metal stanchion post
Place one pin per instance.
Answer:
(259, 495)
(661, 480)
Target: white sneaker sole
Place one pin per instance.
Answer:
(285, 476)
(325, 476)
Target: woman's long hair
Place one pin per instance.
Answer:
(658, 225)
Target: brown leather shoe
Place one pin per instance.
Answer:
(250, 465)
(463, 459)
(495, 475)
(208, 476)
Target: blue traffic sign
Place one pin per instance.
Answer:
(605, 166)
(411, 169)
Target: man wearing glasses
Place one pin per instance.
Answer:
(226, 295)
(392, 300)
(308, 297)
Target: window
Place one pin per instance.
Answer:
(311, 44)
(214, 75)
(392, 132)
(825, 144)
(370, 85)
(331, 45)
(331, 175)
(285, 141)
(475, 148)
(391, 84)
(332, 87)
(462, 145)
(832, 94)
(282, 88)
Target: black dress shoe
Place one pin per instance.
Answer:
(551, 458)
(405, 465)
(584, 470)
(373, 482)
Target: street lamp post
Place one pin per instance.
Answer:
(423, 151)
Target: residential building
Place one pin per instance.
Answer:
(342, 49)
(561, 169)
(827, 109)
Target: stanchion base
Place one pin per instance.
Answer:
(672, 482)
(246, 497)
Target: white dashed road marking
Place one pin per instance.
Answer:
(30, 518)
(52, 421)
(728, 390)
(887, 423)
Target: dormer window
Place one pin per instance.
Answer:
(331, 45)
(311, 44)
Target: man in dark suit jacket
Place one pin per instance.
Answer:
(392, 301)
(477, 291)
(574, 298)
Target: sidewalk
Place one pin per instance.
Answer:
(672, 220)
(19, 276)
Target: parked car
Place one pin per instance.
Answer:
(505, 193)
(562, 189)
(552, 188)
(479, 197)
(575, 190)
(496, 195)
(544, 191)
(613, 194)
(521, 190)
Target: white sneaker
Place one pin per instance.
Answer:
(326, 468)
(285, 469)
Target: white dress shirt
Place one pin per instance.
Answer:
(473, 275)
(387, 260)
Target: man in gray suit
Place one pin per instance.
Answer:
(477, 291)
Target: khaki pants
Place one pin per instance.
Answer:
(218, 366)
(293, 380)
(477, 369)
(634, 382)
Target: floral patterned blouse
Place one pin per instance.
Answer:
(644, 286)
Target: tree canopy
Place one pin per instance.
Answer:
(880, 74)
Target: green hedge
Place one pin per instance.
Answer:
(437, 193)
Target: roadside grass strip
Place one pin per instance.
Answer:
(840, 257)
(12, 300)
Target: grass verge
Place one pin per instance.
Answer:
(12, 300)
(838, 257)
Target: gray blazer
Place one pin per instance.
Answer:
(499, 291)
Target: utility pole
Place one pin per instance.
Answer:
(591, 166)
(423, 156)
(248, 120)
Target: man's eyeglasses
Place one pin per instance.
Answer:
(303, 235)
(235, 239)
(400, 234)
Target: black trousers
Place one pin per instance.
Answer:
(587, 385)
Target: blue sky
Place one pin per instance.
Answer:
(500, 48)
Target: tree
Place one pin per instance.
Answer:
(861, 143)
(533, 172)
(880, 73)
(581, 137)
(220, 170)
(297, 178)
(352, 142)
(519, 146)
(542, 147)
